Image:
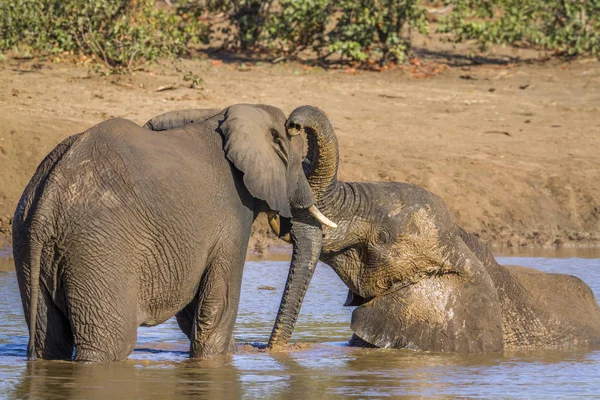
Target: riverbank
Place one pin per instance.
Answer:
(512, 148)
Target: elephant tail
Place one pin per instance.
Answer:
(32, 230)
(35, 256)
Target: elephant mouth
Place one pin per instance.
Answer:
(275, 223)
(355, 300)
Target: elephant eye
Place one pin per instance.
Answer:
(383, 236)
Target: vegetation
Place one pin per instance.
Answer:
(125, 34)
(122, 34)
(568, 27)
(355, 30)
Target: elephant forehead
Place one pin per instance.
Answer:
(422, 224)
(264, 117)
(407, 229)
(275, 113)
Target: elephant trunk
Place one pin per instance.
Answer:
(322, 159)
(320, 168)
(306, 234)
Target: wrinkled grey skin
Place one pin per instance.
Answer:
(180, 118)
(419, 280)
(305, 232)
(122, 226)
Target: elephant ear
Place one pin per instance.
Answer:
(179, 118)
(255, 141)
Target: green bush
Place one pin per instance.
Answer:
(122, 34)
(298, 25)
(247, 20)
(125, 34)
(355, 30)
(376, 30)
(380, 31)
(568, 27)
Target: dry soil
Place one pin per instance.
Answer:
(513, 149)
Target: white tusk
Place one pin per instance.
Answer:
(314, 211)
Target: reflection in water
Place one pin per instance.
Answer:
(350, 372)
(127, 380)
(159, 368)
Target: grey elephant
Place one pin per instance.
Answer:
(121, 226)
(419, 280)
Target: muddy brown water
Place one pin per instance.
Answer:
(322, 367)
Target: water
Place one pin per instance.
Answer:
(326, 368)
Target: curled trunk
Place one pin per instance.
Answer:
(322, 159)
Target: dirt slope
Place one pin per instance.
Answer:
(514, 150)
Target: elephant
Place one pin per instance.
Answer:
(122, 227)
(418, 280)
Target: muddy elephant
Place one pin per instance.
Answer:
(419, 280)
(121, 226)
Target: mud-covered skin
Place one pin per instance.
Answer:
(121, 227)
(420, 281)
(540, 310)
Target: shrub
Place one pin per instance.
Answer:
(376, 30)
(380, 30)
(125, 34)
(568, 27)
(122, 34)
(298, 25)
(248, 19)
(356, 30)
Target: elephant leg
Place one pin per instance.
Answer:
(185, 318)
(53, 336)
(103, 314)
(218, 300)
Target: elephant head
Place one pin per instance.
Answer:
(261, 174)
(256, 142)
(397, 249)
